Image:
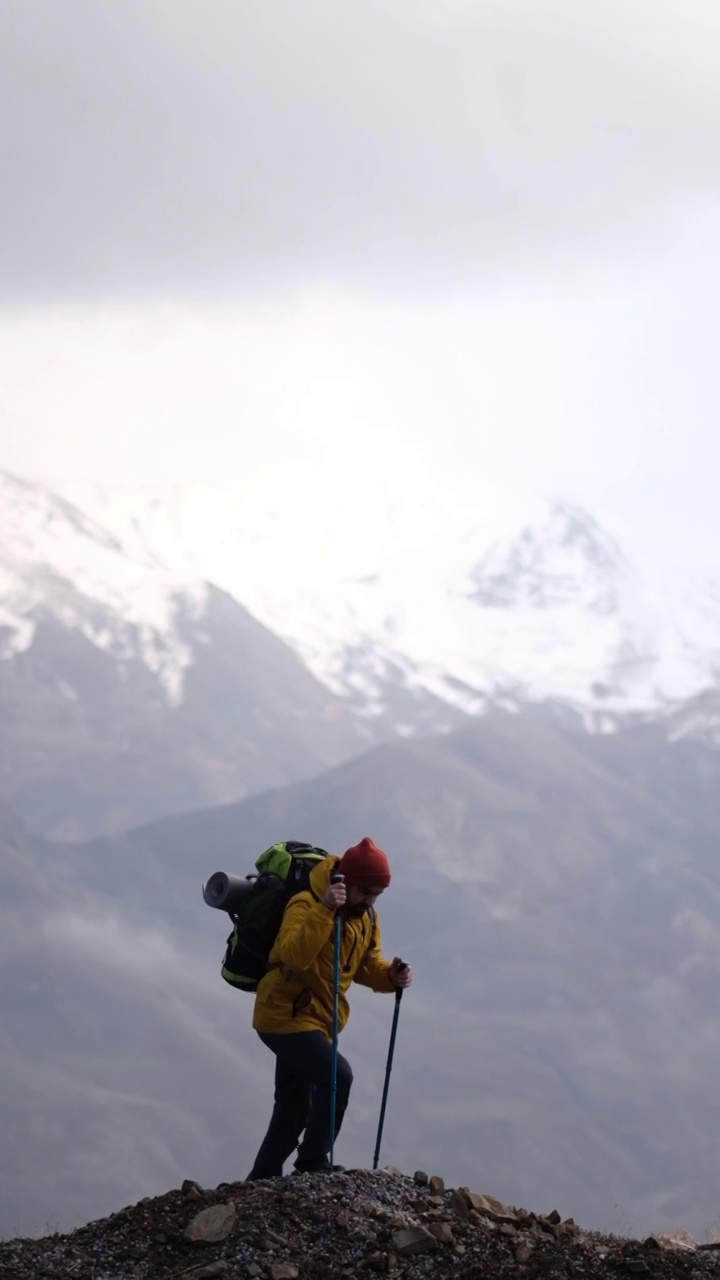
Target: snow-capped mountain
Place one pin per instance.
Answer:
(57, 561)
(129, 690)
(164, 650)
(418, 610)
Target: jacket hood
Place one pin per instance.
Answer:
(321, 875)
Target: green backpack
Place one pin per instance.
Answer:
(283, 870)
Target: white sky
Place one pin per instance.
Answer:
(462, 240)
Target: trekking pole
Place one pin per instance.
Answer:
(337, 927)
(388, 1069)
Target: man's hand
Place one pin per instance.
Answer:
(400, 973)
(335, 896)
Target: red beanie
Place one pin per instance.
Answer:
(365, 865)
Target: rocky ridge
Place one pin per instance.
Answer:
(346, 1225)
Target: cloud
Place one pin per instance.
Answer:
(464, 240)
(154, 148)
(181, 982)
(602, 393)
(113, 942)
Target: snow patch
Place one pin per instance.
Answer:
(59, 563)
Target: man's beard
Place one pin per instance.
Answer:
(360, 910)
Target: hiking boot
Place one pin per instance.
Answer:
(318, 1166)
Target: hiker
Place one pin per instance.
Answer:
(294, 1003)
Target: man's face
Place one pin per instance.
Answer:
(360, 898)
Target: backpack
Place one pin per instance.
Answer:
(283, 870)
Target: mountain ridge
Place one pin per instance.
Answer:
(420, 610)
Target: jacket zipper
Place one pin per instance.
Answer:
(346, 966)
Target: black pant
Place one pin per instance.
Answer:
(303, 1085)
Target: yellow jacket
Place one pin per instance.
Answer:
(297, 992)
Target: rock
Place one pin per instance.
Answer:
(275, 1238)
(284, 1271)
(413, 1240)
(442, 1232)
(420, 1179)
(459, 1205)
(523, 1251)
(210, 1271)
(489, 1207)
(190, 1188)
(437, 1185)
(255, 1271)
(393, 1172)
(212, 1225)
(550, 1228)
(679, 1241)
(553, 1218)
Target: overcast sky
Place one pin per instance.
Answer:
(481, 236)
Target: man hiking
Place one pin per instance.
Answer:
(294, 1002)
